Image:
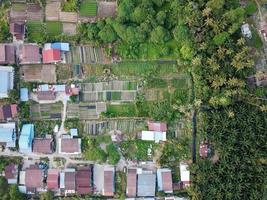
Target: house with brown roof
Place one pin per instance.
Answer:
(7, 54)
(33, 179)
(43, 145)
(84, 180)
(71, 146)
(29, 54)
(68, 181)
(11, 173)
(131, 183)
(164, 177)
(52, 179)
(8, 112)
(46, 95)
(17, 30)
(109, 181)
(39, 73)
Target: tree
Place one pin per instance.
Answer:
(220, 38)
(159, 35)
(4, 188)
(47, 195)
(107, 34)
(15, 194)
(161, 16)
(113, 154)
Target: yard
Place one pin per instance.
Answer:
(53, 28)
(88, 8)
(121, 110)
(46, 111)
(35, 31)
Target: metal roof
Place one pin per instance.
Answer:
(24, 94)
(146, 185)
(6, 81)
(61, 46)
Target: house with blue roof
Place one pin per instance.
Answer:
(6, 81)
(62, 46)
(26, 138)
(8, 135)
(24, 94)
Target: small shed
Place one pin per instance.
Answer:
(24, 94)
(246, 32)
(74, 132)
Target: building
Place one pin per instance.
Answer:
(8, 112)
(52, 179)
(146, 184)
(61, 46)
(74, 132)
(164, 177)
(46, 95)
(26, 138)
(84, 180)
(51, 56)
(157, 126)
(185, 175)
(69, 145)
(43, 145)
(204, 149)
(109, 181)
(131, 183)
(33, 179)
(17, 30)
(11, 173)
(246, 32)
(6, 81)
(7, 54)
(153, 136)
(24, 94)
(67, 181)
(8, 135)
(29, 54)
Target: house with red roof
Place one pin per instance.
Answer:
(33, 179)
(157, 126)
(29, 54)
(164, 177)
(131, 183)
(52, 179)
(8, 112)
(84, 180)
(43, 145)
(51, 55)
(11, 173)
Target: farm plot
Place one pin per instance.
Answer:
(85, 55)
(35, 31)
(53, 28)
(63, 72)
(46, 111)
(69, 28)
(106, 9)
(85, 111)
(126, 127)
(17, 13)
(52, 10)
(88, 8)
(71, 17)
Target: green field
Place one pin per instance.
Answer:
(121, 110)
(88, 8)
(53, 28)
(35, 31)
(19, 7)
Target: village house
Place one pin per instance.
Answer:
(109, 181)
(146, 184)
(8, 112)
(156, 132)
(185, 175)
(17, 30)
(11, 173)
(131, 189)
(53, 180)
(8, 135)
(26, 138)
(6, 81)
(71, 146)
(43, 145)
(24, 94)
(29, 54)
(84, 184)
(67, 181)
(55, 52)
(7, 54)
(164, 177)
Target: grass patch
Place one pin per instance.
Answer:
(88, 8)
(255, 41)
(70, 6)
(121, 110)
(115, 96)
(130, 86)
(35, 31)
(53, 28)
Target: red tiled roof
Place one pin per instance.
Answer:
(108, 183)
(29, 54)
(7, 54)
(70, 145)
(51, 56)
(42, 146)
(83, 180)
(33, 178)
(10, 171)
(167, 181)
(157, 126)
(131, 183)
(53, 179)
(14, 110)
(69, 180)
